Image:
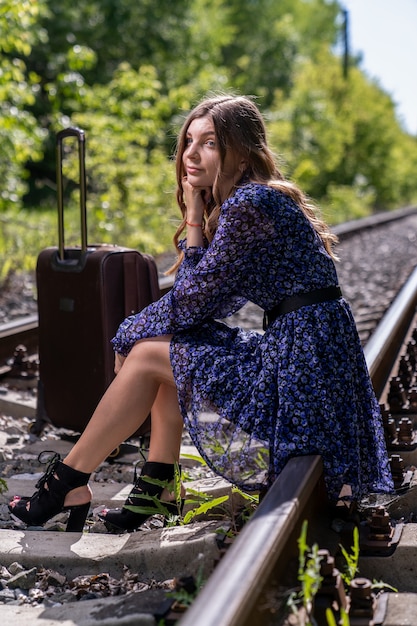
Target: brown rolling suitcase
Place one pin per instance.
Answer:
(84, 293)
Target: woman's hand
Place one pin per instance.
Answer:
(196, 200)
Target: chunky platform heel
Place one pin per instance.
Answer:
(58, 480)
(143, 495)
(77, 517)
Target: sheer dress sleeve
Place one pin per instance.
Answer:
(210, 281)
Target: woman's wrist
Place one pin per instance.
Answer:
(194, 224)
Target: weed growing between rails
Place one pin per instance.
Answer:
(351, 559)
(186, 592)
(234, 511)
(301, 602)
(202, 503)
(197, 503)
(331, 620)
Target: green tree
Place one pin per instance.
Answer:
(340, 139)
(20, 134)
(86, 43)
(145, 32)
(131, 179)
(270, 37)
(125, 72)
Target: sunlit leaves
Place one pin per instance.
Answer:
(20, 134)
(340, 140)
(131, 181)
(17, 20)
(127, 71)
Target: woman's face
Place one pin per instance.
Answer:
(201, 157)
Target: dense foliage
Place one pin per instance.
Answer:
(126, 72)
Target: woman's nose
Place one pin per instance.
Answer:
(192, 151)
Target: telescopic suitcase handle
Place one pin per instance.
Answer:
(80, 136)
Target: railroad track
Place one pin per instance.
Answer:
(21, 331)
(25, 330)
(244, 588)
(240, 589)
(237, 592)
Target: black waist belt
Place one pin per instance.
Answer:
(301, 299)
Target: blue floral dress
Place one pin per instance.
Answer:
(250, 400)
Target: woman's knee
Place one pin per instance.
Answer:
(152, 356)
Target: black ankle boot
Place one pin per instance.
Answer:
(143, 495)
(48, 501)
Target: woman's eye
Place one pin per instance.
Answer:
(211, 143)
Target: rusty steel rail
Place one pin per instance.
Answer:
(232, 595)
(383, 348)
(22, 331)
(261, 552)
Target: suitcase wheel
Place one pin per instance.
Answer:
(36, 428)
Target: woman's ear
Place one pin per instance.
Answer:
(243, 165)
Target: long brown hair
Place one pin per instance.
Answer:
(239, 127)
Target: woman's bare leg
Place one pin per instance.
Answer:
(166, 420)
(146, 372)
(166, 431)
